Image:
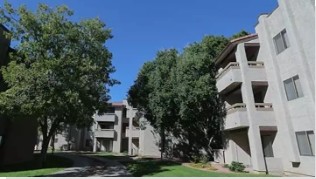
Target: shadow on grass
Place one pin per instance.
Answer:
(52, 161)
(142, 166)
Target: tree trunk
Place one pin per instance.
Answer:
(47, 135)
(53, 143)
(45, 144)
(163, 140)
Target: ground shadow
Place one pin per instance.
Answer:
(52, 161)
(142, 166)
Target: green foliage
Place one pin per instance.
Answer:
(240, 34)
(178, 94)
(237, 166)
(200, 158)
(60, 71)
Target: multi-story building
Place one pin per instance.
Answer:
(18, 136)
(69, 138)
(267, 81)
(123, 129)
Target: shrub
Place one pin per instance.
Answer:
(200, 159)
(237, 166)
(226, 165)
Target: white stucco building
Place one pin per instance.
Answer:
(268, 83)
(123, 130)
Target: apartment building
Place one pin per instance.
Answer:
(18, 136)
(69, 138)
(124, 130)
(268, 83)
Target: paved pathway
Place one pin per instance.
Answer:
(88, 166)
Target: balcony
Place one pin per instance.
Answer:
(135, 132)
(256, 71)
(265, 116)
(104, 133)
(236, 117)
(109, 117)
(229, 77)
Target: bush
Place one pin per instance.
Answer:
(200, 159)
(237, 167)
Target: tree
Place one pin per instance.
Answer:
(239, 34)
(153, 93)
(60, 71)
(201, 109)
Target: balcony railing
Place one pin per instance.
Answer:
(264, 106)
(235, 107)
(256, 64)
(104, 133)
(134, 128)
(230, 65)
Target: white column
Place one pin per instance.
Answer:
(248, 98)
(130, 126)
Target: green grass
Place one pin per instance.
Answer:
(157, 168)
(30, 169)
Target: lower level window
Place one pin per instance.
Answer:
(267, 145)
(306, 143)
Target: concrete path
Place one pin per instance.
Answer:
(88, 166)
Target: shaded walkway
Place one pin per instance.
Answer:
(88, 166)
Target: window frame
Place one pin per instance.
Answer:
(298, 93)
(284, 40)
(312, 153)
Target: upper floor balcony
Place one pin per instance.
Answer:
(134, 132)
(237, 116)
(104, 133)
(230, 77)
(108, 117)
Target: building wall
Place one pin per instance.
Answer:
(298, 18)
(18, 136)
(19, 141)
(118, 130)
(149, 140)
(71, 138)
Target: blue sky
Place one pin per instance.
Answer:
(142, 27)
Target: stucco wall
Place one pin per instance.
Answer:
(18, 142)
(298, 18)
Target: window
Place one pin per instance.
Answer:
(293, 88)
(267, 145)
(281, 41)
(306, 143)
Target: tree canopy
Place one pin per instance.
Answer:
(178, 94)
(60, 71)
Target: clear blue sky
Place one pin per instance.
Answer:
(142, 27)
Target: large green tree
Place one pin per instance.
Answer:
(153, 93)
(60, 71)
(179, 96)
(201, 109)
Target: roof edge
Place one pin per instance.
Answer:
(232, 44)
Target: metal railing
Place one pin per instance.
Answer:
(256, 64)
(230, 65)
(236, 107)
(264, 106)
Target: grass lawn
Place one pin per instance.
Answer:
(157, 168)
(30, 169)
